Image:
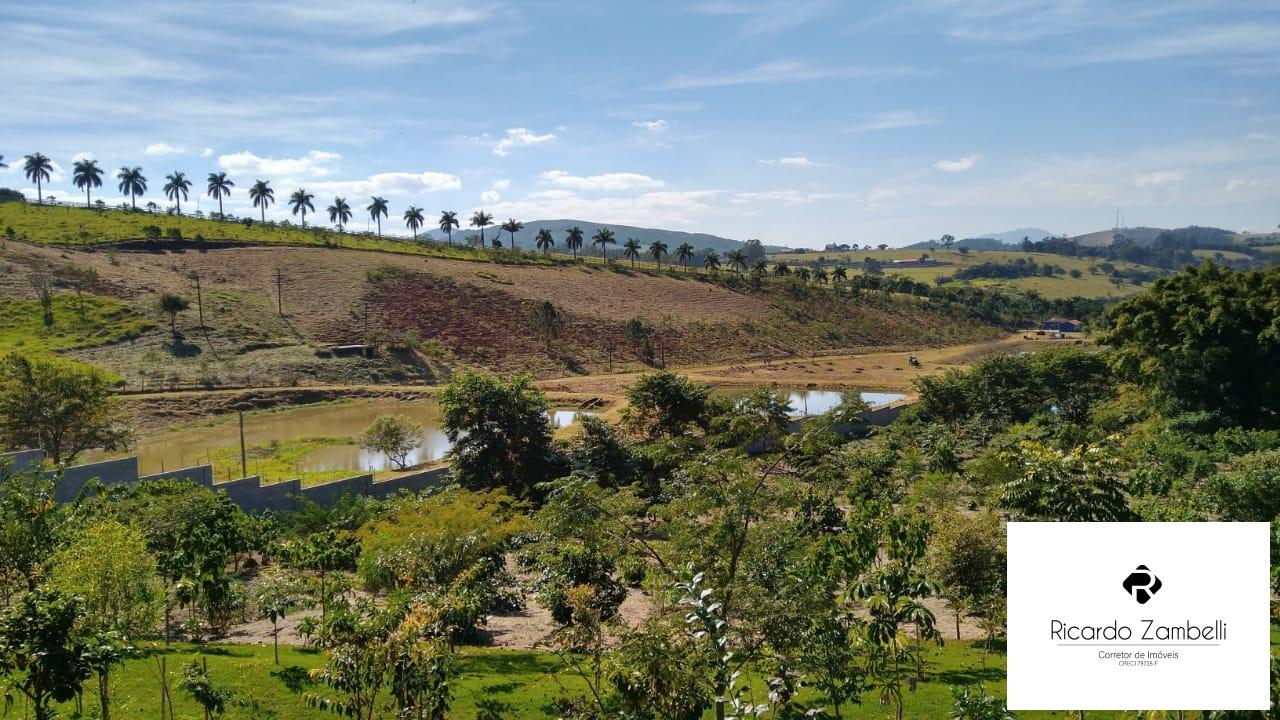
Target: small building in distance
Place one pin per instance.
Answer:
(1061, 324)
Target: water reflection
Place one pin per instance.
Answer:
(809, 401)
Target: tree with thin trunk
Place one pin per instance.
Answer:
(219, 187)
(631, 249)
(448, 222)
(573, 240)
(657, 249)
(413, 219)
(86, 174)
(481, 219)
(684, 254)
(604, 238)
(38, 170)
(171, 305)
(511, 227)
(339, 212)
(300, 202)
(132, 183)
(377, 210)
(176, 187)
(711, 261)
(738, 259)
(545, 241)
(262, 195)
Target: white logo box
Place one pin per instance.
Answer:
(1211, 610)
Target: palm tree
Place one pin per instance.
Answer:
(339, 213)
(176, 188)
(781, 270)
(657, 249)
(132, 183)
(377, 210)
(573, 240)
(481, 219)
(449, 221)
(711, 261)
(684, 254)
(300, 202)
(631, 248)
(219, 187)
(414, 218)
(738, 259)
(2, 165)
(759, 267)
(512, 226)
(604, 238)
(820, 275)
(545, 241)
(262, 195)
(839, 274)
(38, 170)
(803, 273)
(86, 174)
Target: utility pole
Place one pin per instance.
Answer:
(199, 297)
(279, 294)
(244, 464)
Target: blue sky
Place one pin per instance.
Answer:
(799, 122)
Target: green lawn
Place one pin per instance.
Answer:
(78, 322)
(520, 683)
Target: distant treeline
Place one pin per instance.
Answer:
(1171, 249)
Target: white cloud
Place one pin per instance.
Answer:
(1258, 136)
(782, 71)
(490, 197)
(653, 126)
(501, 184)
(606, 182)
(792, 160)
(392, 184)
(893, 121)
(162, 149)
(653, 209)
(207, 152)
(520, 137)
(1235, 185)
(786, 197)
(316, 163)
(960, 165)
(1160, 177)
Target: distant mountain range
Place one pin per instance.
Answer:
(1101, 238)
(526, 238)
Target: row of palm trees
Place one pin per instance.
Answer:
(87, 174)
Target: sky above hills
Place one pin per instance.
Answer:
(798, 122)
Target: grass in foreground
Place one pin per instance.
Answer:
(78, 322)
(515, 683)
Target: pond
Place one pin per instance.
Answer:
(812, 401)
(198, 445)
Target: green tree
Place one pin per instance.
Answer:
(511, 227)
(684, 253)
(38, 169)
(448, 223)
(132, 183)
(395, 436)
(176, 188)
(262, 196)
(40, 651)
(657, 249)
(738, 259)
(604, 238)
(500, 432)
(171, 305)
(300, 202)
(631, 250)
(197, 683)
(339, 213)
(573, 240)
(1078, 485)
(966, 557)
(86, 174)
(711, 261)
(276, 592)
(1204, 340)
(108, 566)
(413, 219)
(61, 407)
(30, 523)
(218, 187)
(481, 219)
(664, 403)
(545, 241)
(377, 210)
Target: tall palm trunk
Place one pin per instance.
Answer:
(87, 200)
(39, 192)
